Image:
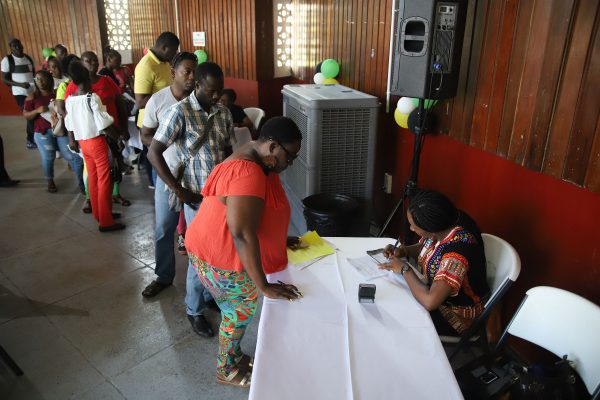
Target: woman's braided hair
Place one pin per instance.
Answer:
(432, 211)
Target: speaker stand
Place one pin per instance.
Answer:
(411, 183)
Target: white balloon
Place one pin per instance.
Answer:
(405, 105)
(319, 78)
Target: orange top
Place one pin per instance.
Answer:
(208, 236)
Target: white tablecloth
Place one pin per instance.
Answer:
(327, 345)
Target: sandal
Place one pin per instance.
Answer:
(246, 363)
(87, 208)
(237, 377)
(118, 199)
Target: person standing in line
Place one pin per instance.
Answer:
(36, 109)
(55, 68)
(184, 67)
(200, 130)
(241, 237)
(152, 74)
(17, 73)
(86, 121)
(113, 69)
(61, 52)
(110, 95)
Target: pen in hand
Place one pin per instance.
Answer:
(395, 247)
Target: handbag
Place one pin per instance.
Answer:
(558, 381)
(110, 131)
(114, 143)
(58, 126)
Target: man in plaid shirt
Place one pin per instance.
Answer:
(200, 131)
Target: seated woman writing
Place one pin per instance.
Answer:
(451, 257)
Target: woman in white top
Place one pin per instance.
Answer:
(86, 119)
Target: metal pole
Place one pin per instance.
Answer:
(411, 183)
(176, 18)
(390, 56)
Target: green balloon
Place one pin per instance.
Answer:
(201, 55)
(428, 103)
(47, 52)
(330, 68)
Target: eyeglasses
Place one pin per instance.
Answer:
(290, 156)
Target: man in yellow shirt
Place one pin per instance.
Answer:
(152, 74)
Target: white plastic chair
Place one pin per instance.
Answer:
(255, 114)
(563, 323)
(502, 270)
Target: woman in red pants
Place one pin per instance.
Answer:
(86, 119)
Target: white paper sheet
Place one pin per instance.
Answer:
(367, 267)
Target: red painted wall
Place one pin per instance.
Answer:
(246, 91)
(551, 223)
(263, 94)
(8, 105)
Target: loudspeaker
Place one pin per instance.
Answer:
(427, 50)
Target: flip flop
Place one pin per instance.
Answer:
(87, 208)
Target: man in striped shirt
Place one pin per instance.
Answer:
(200, 130)
(17, 73)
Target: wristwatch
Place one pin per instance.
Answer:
(404, 269)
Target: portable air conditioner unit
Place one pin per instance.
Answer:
(338, 126)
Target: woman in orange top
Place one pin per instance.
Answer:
(240, 234)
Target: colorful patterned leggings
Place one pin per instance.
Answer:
(237, 295)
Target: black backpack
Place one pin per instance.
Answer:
(11, 65)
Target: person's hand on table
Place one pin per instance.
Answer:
(395, 265)
(294, 243)
(389, 251)
(280, 291)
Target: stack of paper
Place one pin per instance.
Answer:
(317, 249)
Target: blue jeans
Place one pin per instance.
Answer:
(164, 234)
(196, 295)
(48, 145)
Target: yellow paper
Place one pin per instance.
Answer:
(317, 247)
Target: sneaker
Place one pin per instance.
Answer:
(30, 145)
(58, 155)
(181, 244)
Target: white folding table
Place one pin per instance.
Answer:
(329, 346)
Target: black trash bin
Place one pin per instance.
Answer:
(330, 214)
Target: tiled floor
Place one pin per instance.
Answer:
(71, 312)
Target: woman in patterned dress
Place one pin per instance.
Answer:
(450, 256)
